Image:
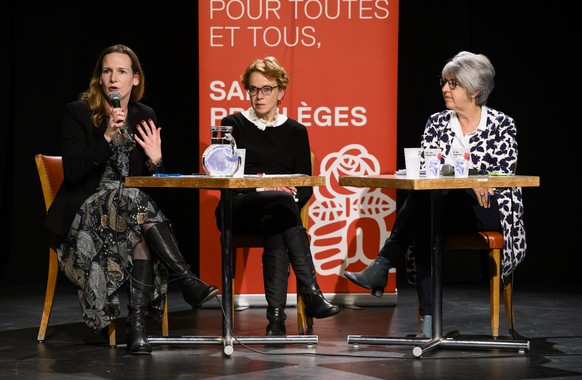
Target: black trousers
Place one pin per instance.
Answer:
(412, 229)
(270, 214)
(263, 212)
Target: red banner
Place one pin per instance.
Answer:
(341, 58)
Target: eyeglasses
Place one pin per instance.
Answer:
(265, 90)
(452, 83)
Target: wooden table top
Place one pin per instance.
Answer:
(207, 182)
(395, 181)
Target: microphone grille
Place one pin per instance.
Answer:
(115, 96)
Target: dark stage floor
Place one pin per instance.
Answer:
(551, 319)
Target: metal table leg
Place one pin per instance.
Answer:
(228, 339)
(227, 270)
(452, 339)
(227, 291)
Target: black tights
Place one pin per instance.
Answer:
(141, 250)
(268, 213)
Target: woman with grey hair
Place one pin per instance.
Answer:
(490, 136)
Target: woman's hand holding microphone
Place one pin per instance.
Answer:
(116, 124)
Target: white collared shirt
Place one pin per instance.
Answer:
(463, 141)
(262, 124)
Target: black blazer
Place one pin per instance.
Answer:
(84, 152)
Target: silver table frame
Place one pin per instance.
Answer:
(452, 339)
(226, 186)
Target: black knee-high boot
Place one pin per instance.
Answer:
(276, 278)
(160, 239)
(316, 306)
(140, 290)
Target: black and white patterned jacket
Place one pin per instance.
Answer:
(493, 149)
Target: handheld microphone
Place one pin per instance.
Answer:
(115, 99)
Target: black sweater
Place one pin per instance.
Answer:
(276, 150)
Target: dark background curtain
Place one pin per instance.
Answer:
(49, 51)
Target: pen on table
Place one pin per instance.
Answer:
(167, 175)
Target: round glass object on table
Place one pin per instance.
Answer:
(221, 158)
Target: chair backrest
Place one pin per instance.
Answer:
(50, 172)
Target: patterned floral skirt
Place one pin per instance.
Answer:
(96, 253)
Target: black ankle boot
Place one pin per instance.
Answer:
(374, 277)
(140, 288)
(276, 317)
(316, 306)
(196, 292)
(160, 239)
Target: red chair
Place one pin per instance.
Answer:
(492, 241)
(50, 173)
